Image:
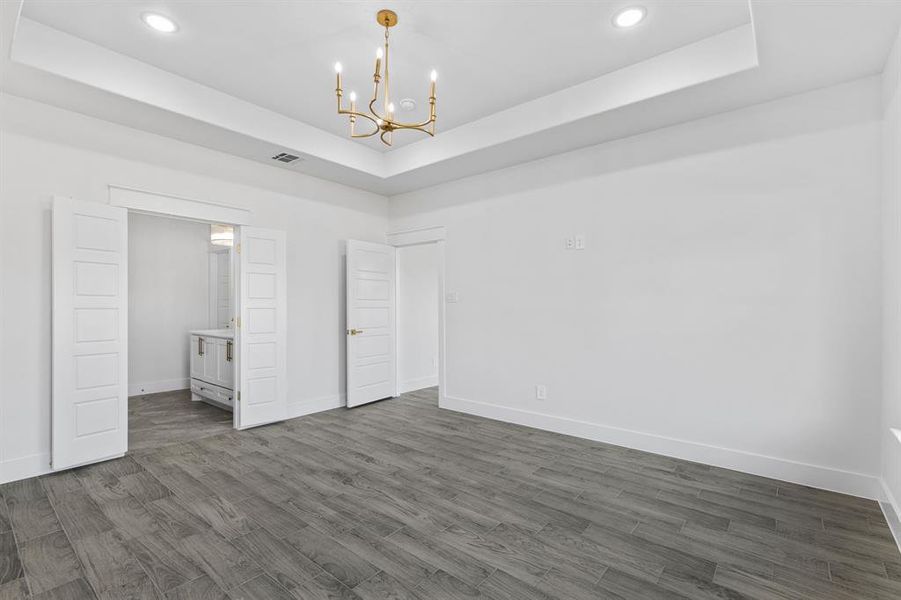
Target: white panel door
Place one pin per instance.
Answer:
(89, 409)
(371, 344)
(262, 335)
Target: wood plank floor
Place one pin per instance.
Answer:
(156, 420)
(402, 500)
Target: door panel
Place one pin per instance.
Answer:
(371, 343)
(262, 337)
(89, 406)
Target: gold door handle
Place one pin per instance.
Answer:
(200, 346)
(354, 331)
(228, 350)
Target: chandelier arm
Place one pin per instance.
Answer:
(377, 115)
(382, 137)
(365, 116)
(358, 114)
(422, 129)
(399, 125)
(425, 131)
(365, 135)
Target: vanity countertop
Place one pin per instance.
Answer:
(217, 333)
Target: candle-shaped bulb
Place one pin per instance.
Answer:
(379, 53)
(434, 75)
(378, 63)
(390, 108)
(353, 96)
(338, 83)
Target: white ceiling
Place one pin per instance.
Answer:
(518, 80)
(490, 55)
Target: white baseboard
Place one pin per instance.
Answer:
(411, 385)
(827, 478)
(892, 511)
(314, 405)
(24, 467)
(155, 387)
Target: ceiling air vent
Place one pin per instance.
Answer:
(285, 157)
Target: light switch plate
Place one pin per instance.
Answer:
(451, 297)
(580, 241)
(540, 392)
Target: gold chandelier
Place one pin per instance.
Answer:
(385, 123)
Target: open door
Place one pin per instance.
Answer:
(371, 343)
(89, 407)
(262, 328)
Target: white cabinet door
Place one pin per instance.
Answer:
(89, 387)
(210, 359)
(371, 344)
(226, 375)
(196, 358)
(262, 337)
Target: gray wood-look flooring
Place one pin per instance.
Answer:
(402, 500)
(156, 420)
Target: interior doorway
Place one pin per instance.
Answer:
(379, 364)
(90, 378)
(417, 317)
(181, 303)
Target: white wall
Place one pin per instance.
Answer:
(726, 308)
(891, 194)
(417, 317)
(46, 151)
(168, 295)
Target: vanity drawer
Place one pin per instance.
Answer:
(212, 392)
(225, 397)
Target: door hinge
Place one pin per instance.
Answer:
(239, 396)
(239, 322)
(238, 248)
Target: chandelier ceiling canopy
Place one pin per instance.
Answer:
(381, 119)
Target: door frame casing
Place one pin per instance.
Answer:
(160, 204)
(419, 237)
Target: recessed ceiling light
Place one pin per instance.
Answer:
(159, 23)
(408, 104)
(629, 17)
